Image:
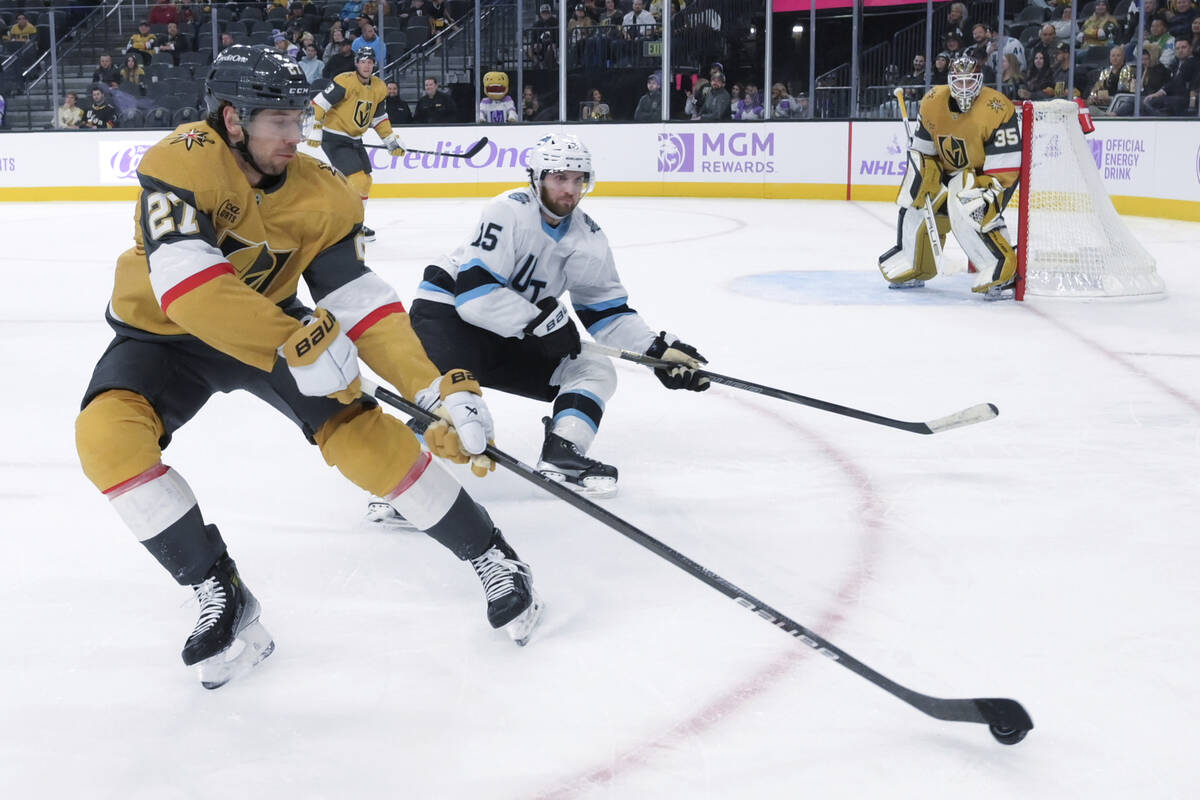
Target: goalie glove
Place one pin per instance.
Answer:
(393, 145)
(464, 427)
(667, 347)
(314, 136)
(982, 203)
(323, 361)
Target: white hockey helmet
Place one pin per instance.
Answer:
(559, 152)
(966, 81)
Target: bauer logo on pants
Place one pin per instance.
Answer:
(676, 152)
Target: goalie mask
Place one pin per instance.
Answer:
(559, 152)
(966, 81)
(495, 85)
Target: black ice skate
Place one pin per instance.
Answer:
(508, 585)
(228, 639)
(368, 234)
(561, 461)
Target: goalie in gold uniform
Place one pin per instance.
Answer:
(229, 219)
(354, 102)
(964, 160)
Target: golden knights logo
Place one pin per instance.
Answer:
(192, 137)
(362, 113)
(954, 150)
(256, 263)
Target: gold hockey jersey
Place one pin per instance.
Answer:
(221, 260)
(985, 139)
(348, 106)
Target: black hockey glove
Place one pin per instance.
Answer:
(553, 332)
(685, 376)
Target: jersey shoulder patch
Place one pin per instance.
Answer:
(521, 197)
(591, 223)
(193, 157)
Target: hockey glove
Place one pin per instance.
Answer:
(982, 202)
(553, 332)
(685, 376)
(394, 148)
(931, 178)
(322, 360)
(465, 426)
(314, 137)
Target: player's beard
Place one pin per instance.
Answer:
(559, 209)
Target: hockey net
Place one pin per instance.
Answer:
(1073, 242)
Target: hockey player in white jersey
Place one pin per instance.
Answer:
(493, 306)
(496, 106)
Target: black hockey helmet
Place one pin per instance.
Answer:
(252, 77)
(365, 53)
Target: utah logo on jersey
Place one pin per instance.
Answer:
(362, 113)
(256, 263)
(954, 150)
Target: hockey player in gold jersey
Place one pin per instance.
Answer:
(229, 218)
(354, 102)
(964, 160)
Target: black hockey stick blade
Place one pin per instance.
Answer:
(968, 416)
(1006, 719)
(475, 148)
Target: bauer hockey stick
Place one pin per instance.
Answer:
(473, 150)
(1006, 719)
(968, 416)
(931, 229)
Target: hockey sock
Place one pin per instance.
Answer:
(435, 503)
(577, 415)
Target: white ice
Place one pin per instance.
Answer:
(1043, 556)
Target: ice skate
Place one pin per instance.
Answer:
(381, 513)
(1007, 291)
(561, 461)
(508, 585)
(368, 234)
(228, 640)
(915, 283)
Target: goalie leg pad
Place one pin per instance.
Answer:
(1001, 258)
(912, 256)
(373, 450)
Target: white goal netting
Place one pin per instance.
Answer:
(1075, 243)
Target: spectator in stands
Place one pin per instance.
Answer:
(1117, 77)
(350, 11)
(611, 14)
(750, 105)
(543, 52)
(1012, 79)
(141, 43)
(1046, 44)
(312, 65)
(163, 12)
(1062, 72)
(368, 38)
(1152, 10)
(596, 108)
(106, 72)
(638, 23)
(530, 104)
(189, 14)
(297, 17)
(783, 105)
(133, 73)
(1178, 95)
(101, 114)
(1039, 83)
(439, 15)
(1000, 46)
(940, 75)
(173, 42)
(69, 114)
(1195, 34)
(435, 106)
(397, 109)
(334, 45)
(1101, 29)
(342, 61)
(226, 41)
(592, 10)
(955, 21)
(284, 46)
(1064, 26)
(1154, 74)
(649, 105)
(954, 45)
(716, 103)
(1180, 25)
(22, 29)
(579, 33)
(1157, 35)
(415, 15)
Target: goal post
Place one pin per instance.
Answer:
(1073, 243)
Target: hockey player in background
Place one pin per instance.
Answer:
(354, 102)
(229, 218)
(497, 107)
(964, 160)
(492, 306)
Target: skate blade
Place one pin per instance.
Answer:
(913, 284)
(248, 650)
(598, 488)
(382, 515)
(521, 628)
(994, 294)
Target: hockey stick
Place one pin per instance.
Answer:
(931, 229)
(1006, 719)
(968, 416)
(473, 150)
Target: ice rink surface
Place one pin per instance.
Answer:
(1044, 555)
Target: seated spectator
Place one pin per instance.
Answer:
(312, 66)
(101, 115)
(1039, 83)
(1195, 35)
(715, 107)
(163, 12)
(596, 108)
(435, 106)
(69, 114)
(296, 17)
(1046, 44)
(334, 45)
(439, 15)
(955, 21)
(227, 40)
(1118, 77)
(132, 73)
(1012, 79)
(416, 14)
(1064, 27)
(173, 42)
(783, 105)
(369, 38)
(1154, 74)
(22, 30)
(106, 72)
(953, 45)
(285, 46)
(750, 105)
(940, 75)
(530, 104)
(352, 10)
(141, 43)
(1101, 29)
(649, 105)
(342, 61)
(1180, 24)
(579, 28)
(190, 14)
(397, 109)
(1178, 95)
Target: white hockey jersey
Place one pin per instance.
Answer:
(515, 259)
(497, 111)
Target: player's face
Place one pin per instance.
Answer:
(365, 68)
(274, 136)
(562, 191)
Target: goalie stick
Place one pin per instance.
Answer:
(968, 416)
(1006, 719)
(931, 229)
(473, 150)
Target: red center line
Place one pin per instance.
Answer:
(870, 535)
